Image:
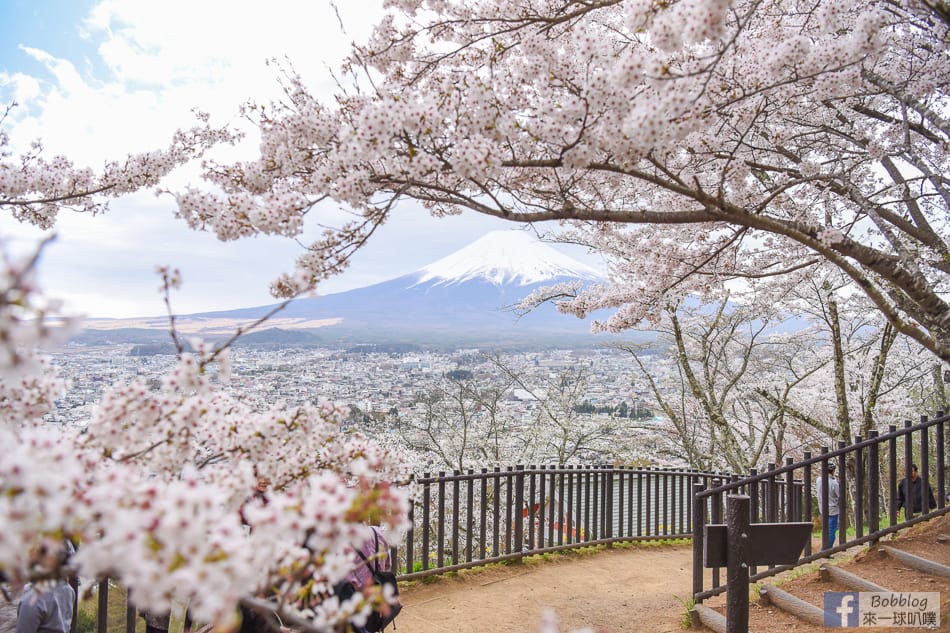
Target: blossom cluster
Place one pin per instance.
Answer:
(678, 120)
(35, 188)
(154, 488)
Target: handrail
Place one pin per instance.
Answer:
(824, 457)
(864, 471)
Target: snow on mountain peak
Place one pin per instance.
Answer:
(506, 257)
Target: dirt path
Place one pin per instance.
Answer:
(624, 589)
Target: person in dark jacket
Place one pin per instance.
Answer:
(916, 492)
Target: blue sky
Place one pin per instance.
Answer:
(98, 79)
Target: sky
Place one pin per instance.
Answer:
(96, 80)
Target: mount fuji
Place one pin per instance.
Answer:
(463, 298)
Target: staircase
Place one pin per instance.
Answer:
(916, 559)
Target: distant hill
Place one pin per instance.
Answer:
(277, 338)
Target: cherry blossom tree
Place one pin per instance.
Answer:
(718, 139)
(35, 188)
(150, 488)
(460, 423)
(740, 385)
(704, 140)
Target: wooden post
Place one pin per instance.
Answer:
(519, 505)
(440, 527)
(699, 519)
(806, 487)
(874, 483)
(908, 462)
(102, 614)
(426, 499)
(737, 571)
(924, 472)
(860, 491)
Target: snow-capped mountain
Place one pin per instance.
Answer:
(464, 297)
(506, 257)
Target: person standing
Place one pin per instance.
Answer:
(47, 608)
(372, 564)
(259, 496)
(916, 493)
(833, 495)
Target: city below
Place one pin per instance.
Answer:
(391, 391)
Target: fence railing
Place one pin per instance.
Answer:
(465, 519)
(868, 479)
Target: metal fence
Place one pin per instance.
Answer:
(461, 520)
(466, 519)
(868, 475)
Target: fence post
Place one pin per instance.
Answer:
(859, 489)
(690, 480)
(752, 489)
(483, 514)
(842, 496)
(470, 519)
(410, 536)
(130, 614)
(789, 491)
(924, 472)
(737, 572)
(941, 483)
(715, 516)
(666, 502)
(806, 490)
(519, 505)
(699, 520)
(440, 517)
(908, 462)
(102, 617)
(609, 503)
(426, 530)
(496, 511)
(771, 498)
(641, 524)
(771, 508)
(581, 521)
(621, 489)
(874, 476)
(509, 508)
(456, 515)
(824, 507)
(892, 476)
(531, 523)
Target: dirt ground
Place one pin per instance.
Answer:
(623, 589)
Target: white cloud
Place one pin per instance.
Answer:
(159, 60)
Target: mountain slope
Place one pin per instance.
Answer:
(464, 297)
(506, 258)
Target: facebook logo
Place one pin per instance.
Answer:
(841, 609)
